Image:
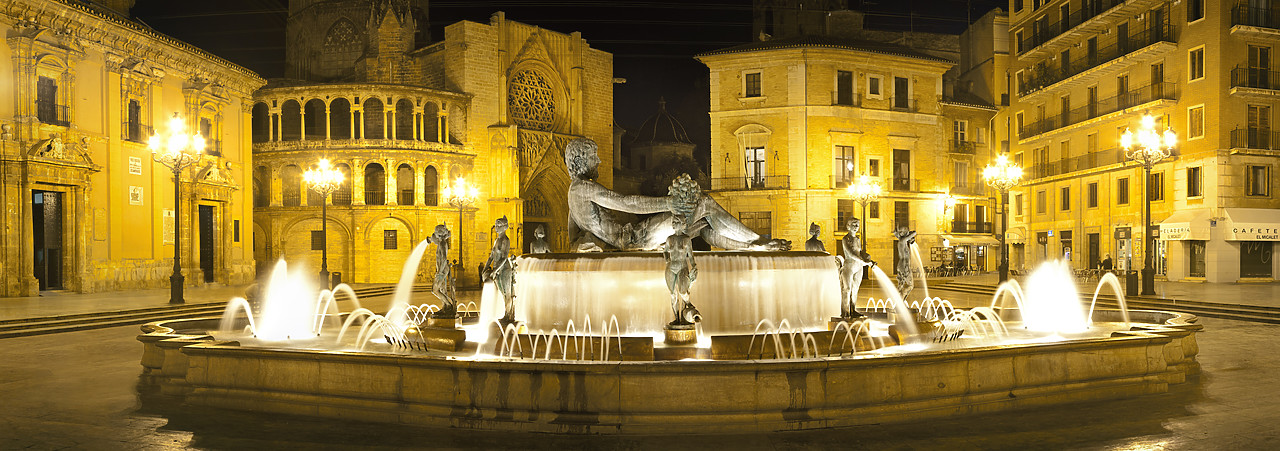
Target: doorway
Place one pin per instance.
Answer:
(46, 228)
(1095, 247)
(206, 242)
(1255, 259)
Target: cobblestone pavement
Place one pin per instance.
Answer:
(80, 390)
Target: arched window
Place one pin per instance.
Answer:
(261, 123)
(431, 187)
(404, 119)
(291, 185)
(373, 118)
(404, 184)
(315, 119)
(342, 45)
(340, 119)
(290, 121)
(531, 100)
(753, 142)
(261, 186)
(375, 185)
(431, 122)
(342, 196)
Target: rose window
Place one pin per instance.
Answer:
(530, 101)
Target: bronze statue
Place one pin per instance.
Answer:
(444, 285)
(600, 218)
(853, 262)
(814, 244)
(500, 269)
(906, 281)
(540, 244)
(678, 250)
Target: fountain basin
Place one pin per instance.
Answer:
(693, 396)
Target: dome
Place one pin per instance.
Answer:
(662, 127)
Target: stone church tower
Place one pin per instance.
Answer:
(405, 119)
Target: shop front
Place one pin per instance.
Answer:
(1255, 230)
(1185, 235)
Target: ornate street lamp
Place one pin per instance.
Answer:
(460, 195)
(324, 180)
(862, 192)
(176, 151)
(1003, 176)
(1148, 147)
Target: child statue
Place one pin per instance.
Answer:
(443, 287)
(906, 281)
(852, 261)
(540, 244)
(814, 244)
(678, 250)
(500, 269)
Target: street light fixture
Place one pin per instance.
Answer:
(460, 195)
(1003, 176)
(862, 192)
(324, 180)
(176, 151)
(1148, 147)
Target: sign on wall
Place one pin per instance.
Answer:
(135, 165)
(135, 195)
(168, 227)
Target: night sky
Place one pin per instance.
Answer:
(653, 42)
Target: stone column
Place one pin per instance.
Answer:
(327, 121)
(391, 123)
(357, 182)
(355, 118)
(419, 185)
(302, 122)
(441, 120)
(277, 195)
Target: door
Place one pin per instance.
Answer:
(1122, 90)
(1157, 81)
(1122, 38)
(1093, 51)
(1156, 23)
(46, 218)
(901, 169)
(1255, 259)
(1259, 136)
(1095, 246)
(207, 250)
(901, 93)
(1197, 259)
(1259, 67)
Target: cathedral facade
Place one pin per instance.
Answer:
(405, 117)
(85, 208)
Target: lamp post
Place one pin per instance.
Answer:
(324, 180)
(862, 192)
(460, 195)
(1003, 176)
(1148, 147)
(176, 151)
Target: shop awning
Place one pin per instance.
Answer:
(1016, 235)
(1186, 225)
(968, 240)
(1252, 224)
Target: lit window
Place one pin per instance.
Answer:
(1259, 180)
(1195, 64)
(752, 81)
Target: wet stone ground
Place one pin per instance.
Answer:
(80, 390)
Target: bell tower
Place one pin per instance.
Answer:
(352, 40)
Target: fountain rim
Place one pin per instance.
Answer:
(609, 254)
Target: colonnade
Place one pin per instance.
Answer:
(429, 122)
(285, 182)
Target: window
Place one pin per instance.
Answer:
(213, 146)
(1021, 123)
(235, 231)
(760, 222)
(1259, 180)
(390, 241)
(1091, 101)
(961, 172)
(1156, 191)
(844, 87)
(1066, 198)
(1259, 131)
(959, 129)
(1040, 202)
(430, 187)
(873, 167)
(1195, 10)
(1022, 81)
(133, 123)
(873, 86)
(375, 188)
(901, 93)
(751, 81)
(317, 240)
(844, 212)
(1093, 195)
(1195, 64)
(1092, 143)
(1193, 182)
(873, 210)
(1195, 122)
(844, 165)
(755, 166)
(291, 185)
(47, 109)
(404, 185)
(1017, 204)
(1122, 191)
(1017, 38)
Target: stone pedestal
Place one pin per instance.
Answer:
(680, 342)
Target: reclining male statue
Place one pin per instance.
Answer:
(600, 218)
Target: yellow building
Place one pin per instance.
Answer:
(795, 119)
(85, 207)
(491, 103)
(1083, 74)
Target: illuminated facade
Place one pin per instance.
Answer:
(1083, 74)
(85, 207)
(794, 120)
(492, 103)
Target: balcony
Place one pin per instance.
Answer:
(1149, 43)
(318, 144)
(1252, 81)
(52, 114)
(1078, 163)
(908, 105)
(966, 147)
(1118, 103)
(1255, 138)
(905, 184)
(842, 181)
(136, 132)
(970, 227)
(1078, 25)
(1253, 22)
(750, 183)
(968, 188)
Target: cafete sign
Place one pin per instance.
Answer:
(1254, 232)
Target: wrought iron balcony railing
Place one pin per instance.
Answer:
(1082, 61)
(750, 183)
(1065, 24)
(1134, 97)
(52, 114)
(1254, 77)
(1243, 14)
(966, 147)
(970, 227)
(136, 132)
(1255, 138)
